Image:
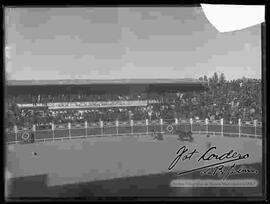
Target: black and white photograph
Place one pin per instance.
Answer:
(135, 102)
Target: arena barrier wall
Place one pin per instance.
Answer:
(168, 127)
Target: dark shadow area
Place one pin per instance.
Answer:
(141, 186)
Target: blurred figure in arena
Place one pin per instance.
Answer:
(208, 142)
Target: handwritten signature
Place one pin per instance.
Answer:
(184, 153)
(225, 172)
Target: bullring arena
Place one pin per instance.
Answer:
(92, 156)
(69, 155)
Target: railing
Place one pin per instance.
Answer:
(76, 131)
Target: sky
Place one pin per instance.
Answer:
(123, 42)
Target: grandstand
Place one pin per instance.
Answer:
(125, 144)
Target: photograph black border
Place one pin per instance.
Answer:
(265, 165)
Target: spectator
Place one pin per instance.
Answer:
(226, 99)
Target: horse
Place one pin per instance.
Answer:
(157, 135)
(184, 135)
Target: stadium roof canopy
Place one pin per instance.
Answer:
(119, 86)
(100, 82)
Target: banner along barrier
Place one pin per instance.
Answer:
(214, 128)
(110, 130)
(43, 134)
(124, 129)
(140, 129)
(247, 129)
(199, 127)
(94, 131)
(10, 137)
(61, 133)
(21, 136)
(184, 127)
(77, 132)
(231, 130)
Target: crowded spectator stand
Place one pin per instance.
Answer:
(223, 100)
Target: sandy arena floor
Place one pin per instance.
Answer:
(93, 159)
